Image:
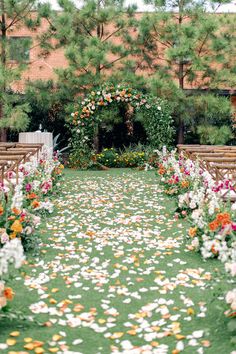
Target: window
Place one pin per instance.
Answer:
(19, 48)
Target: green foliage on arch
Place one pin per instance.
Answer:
(84, 121)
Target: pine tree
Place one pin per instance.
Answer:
(98, 40)
(15, 14)
(184, 47)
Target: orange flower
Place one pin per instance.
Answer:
(223, 219)
(31, 196)
(16, 226)
(8, 293)
(185, 184)
(16, 211)
(1, 209)
(192, 231)
(161, 171)
(213, 225)
(35, 204)
(213, 250)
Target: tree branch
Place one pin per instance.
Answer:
(113, 62)
(19, 16)
(112, 34)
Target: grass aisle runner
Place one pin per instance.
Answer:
(115, 274)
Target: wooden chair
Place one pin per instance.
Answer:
(7, 145)
(3, 167)
(37, 147)
(28, 152)
(13, 162)
(14, 152)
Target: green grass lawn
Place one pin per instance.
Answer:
(115, 274)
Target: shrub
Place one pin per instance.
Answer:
(132, 159)
(213, 135)
(108, 157)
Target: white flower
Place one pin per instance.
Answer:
(11, 253)
(231, 296)
(159, 108)
(28, 230)
(195, 243)
(231, 267)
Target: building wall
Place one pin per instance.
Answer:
(42, 66)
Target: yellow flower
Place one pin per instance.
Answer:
(12, 235)
(16, 226)
(192, 231)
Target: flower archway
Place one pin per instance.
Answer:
(85, 120)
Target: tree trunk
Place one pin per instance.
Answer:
(180, 138)
(3, 131)
(96, 140)
(3, 135)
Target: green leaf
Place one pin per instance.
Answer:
(232, 325)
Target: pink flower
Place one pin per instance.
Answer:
(28, 187)
(4, 236)
(10, 174)
(46, 186)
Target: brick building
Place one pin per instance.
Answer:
(24, 43)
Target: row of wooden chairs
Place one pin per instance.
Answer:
(218, 160)
(12, 155)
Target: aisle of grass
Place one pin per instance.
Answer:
(115, 276)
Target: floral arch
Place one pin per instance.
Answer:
(157, 121)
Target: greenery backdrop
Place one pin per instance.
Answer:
(161, 54)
